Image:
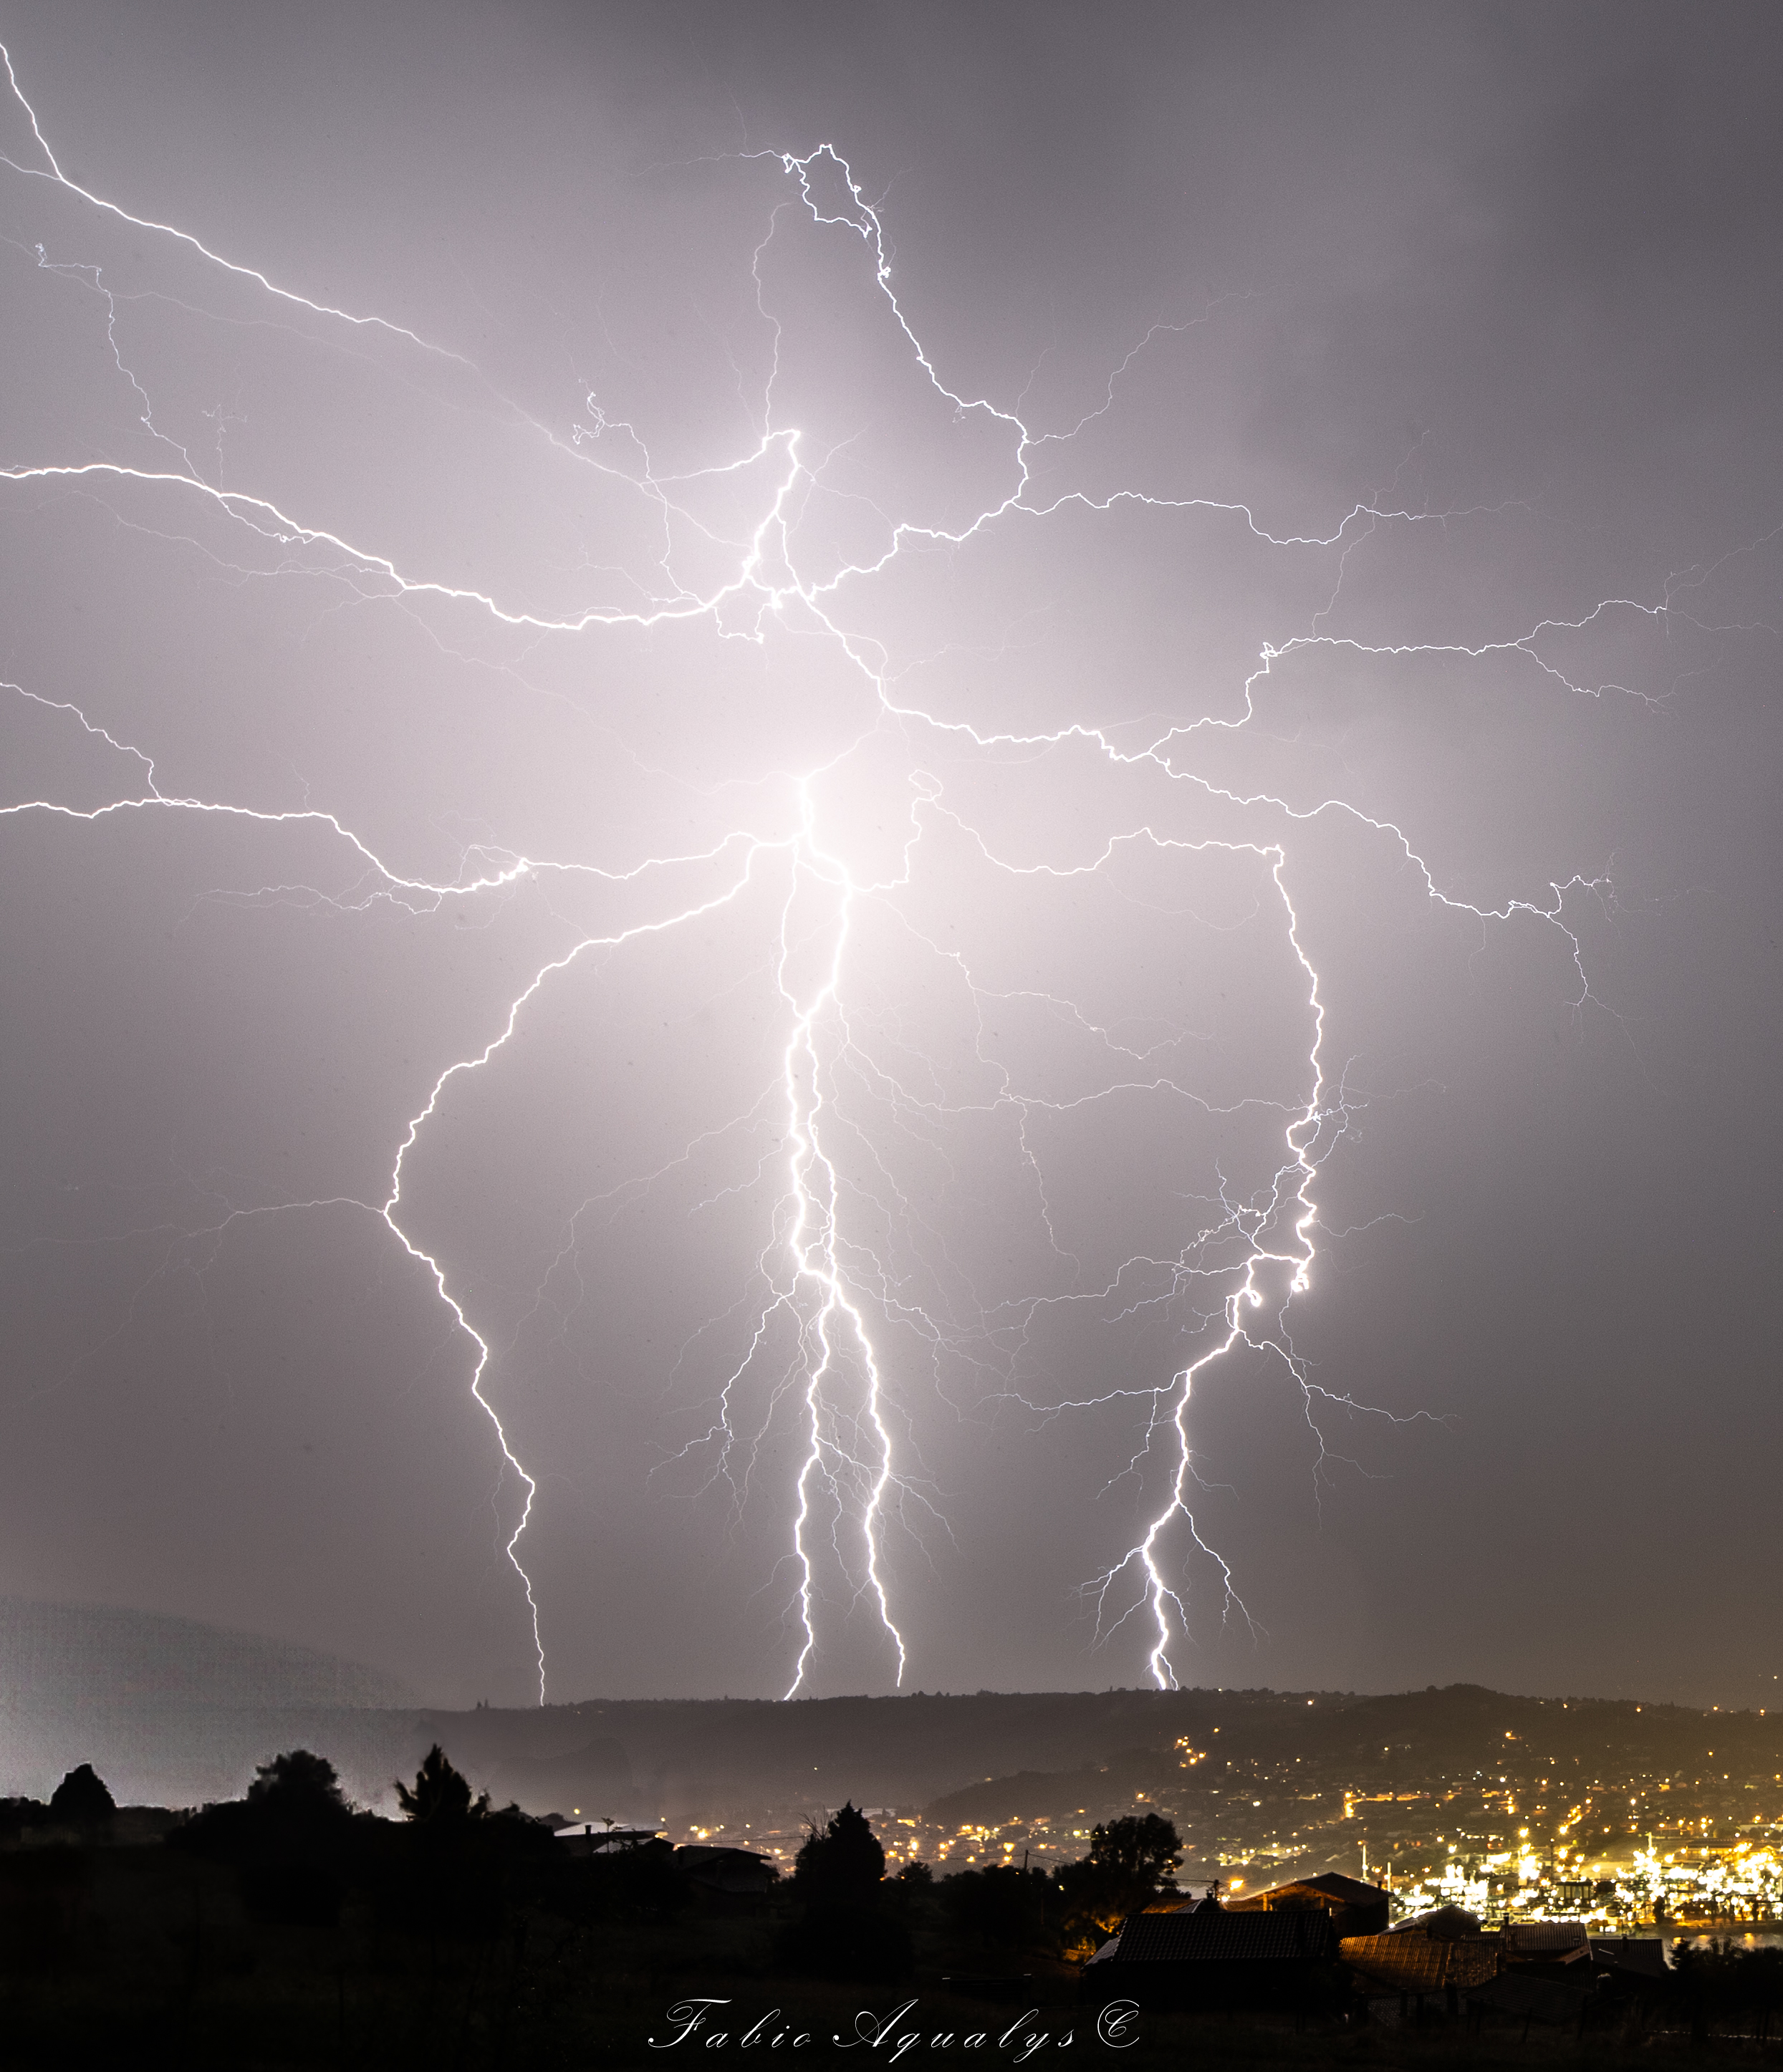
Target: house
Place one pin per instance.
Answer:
(1425, 1968)
(1205, 1957)
(1518, 1996)
(589, 1841)
(1630, 1956)
(1552, 1974)
(1408, 1973)
(727, 1880)
(1559, 1950)
(1631, 1970)
(1356, 1909)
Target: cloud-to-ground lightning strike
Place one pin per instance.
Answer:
(811, 1242)
(1254, 1257)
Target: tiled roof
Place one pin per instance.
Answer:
(1411, 1962)
(1221, 1938)
(1345, 1891)
(1644, 1956)
(1332, 1892)
(1329, 1889)
(1546, 1939)
(590, 1841)
(1446, 1923)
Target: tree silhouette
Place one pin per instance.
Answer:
(293, 1839)
(1139, 1850)
(441, 1793)
(81, 1799)
(842, 1864)
(999, 1905)
(298, 1786)
(1130, 1861)
(845, 1932)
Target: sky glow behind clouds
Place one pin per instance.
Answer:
(1329, 536)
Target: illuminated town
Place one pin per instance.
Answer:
(1448, 1860)
(1557, 1829)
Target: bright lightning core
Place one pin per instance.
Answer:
(908, 855)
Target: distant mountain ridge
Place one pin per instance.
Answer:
(956, 1750)
(174, 1711)
(57, 1658)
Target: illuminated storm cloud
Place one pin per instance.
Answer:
(748, 939)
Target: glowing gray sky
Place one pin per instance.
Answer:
(1414, 369)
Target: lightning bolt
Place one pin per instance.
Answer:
(837, 1322)
(1237, 1276)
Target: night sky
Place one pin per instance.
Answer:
(897, 699)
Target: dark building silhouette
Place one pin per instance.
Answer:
(1356, 1909)
(589, 1841)
(726, 1880)
(1206, 1956)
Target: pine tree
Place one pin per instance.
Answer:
(441, 1794)
(842, 1864)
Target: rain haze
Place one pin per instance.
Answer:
(906, 841)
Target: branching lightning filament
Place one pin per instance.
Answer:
(861, 1317)
(834, 1333)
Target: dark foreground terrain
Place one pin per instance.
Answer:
(543, 1991)
(287, 1930)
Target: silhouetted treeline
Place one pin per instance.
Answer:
(1721, 1985)
(854, 1922)
(454, 1867)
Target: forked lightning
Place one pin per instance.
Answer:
(857, 1478)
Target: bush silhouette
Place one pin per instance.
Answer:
(1718, 1981)
(81, 1799)
(293, 1839)
(298, 1789)
(1001, 1906)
